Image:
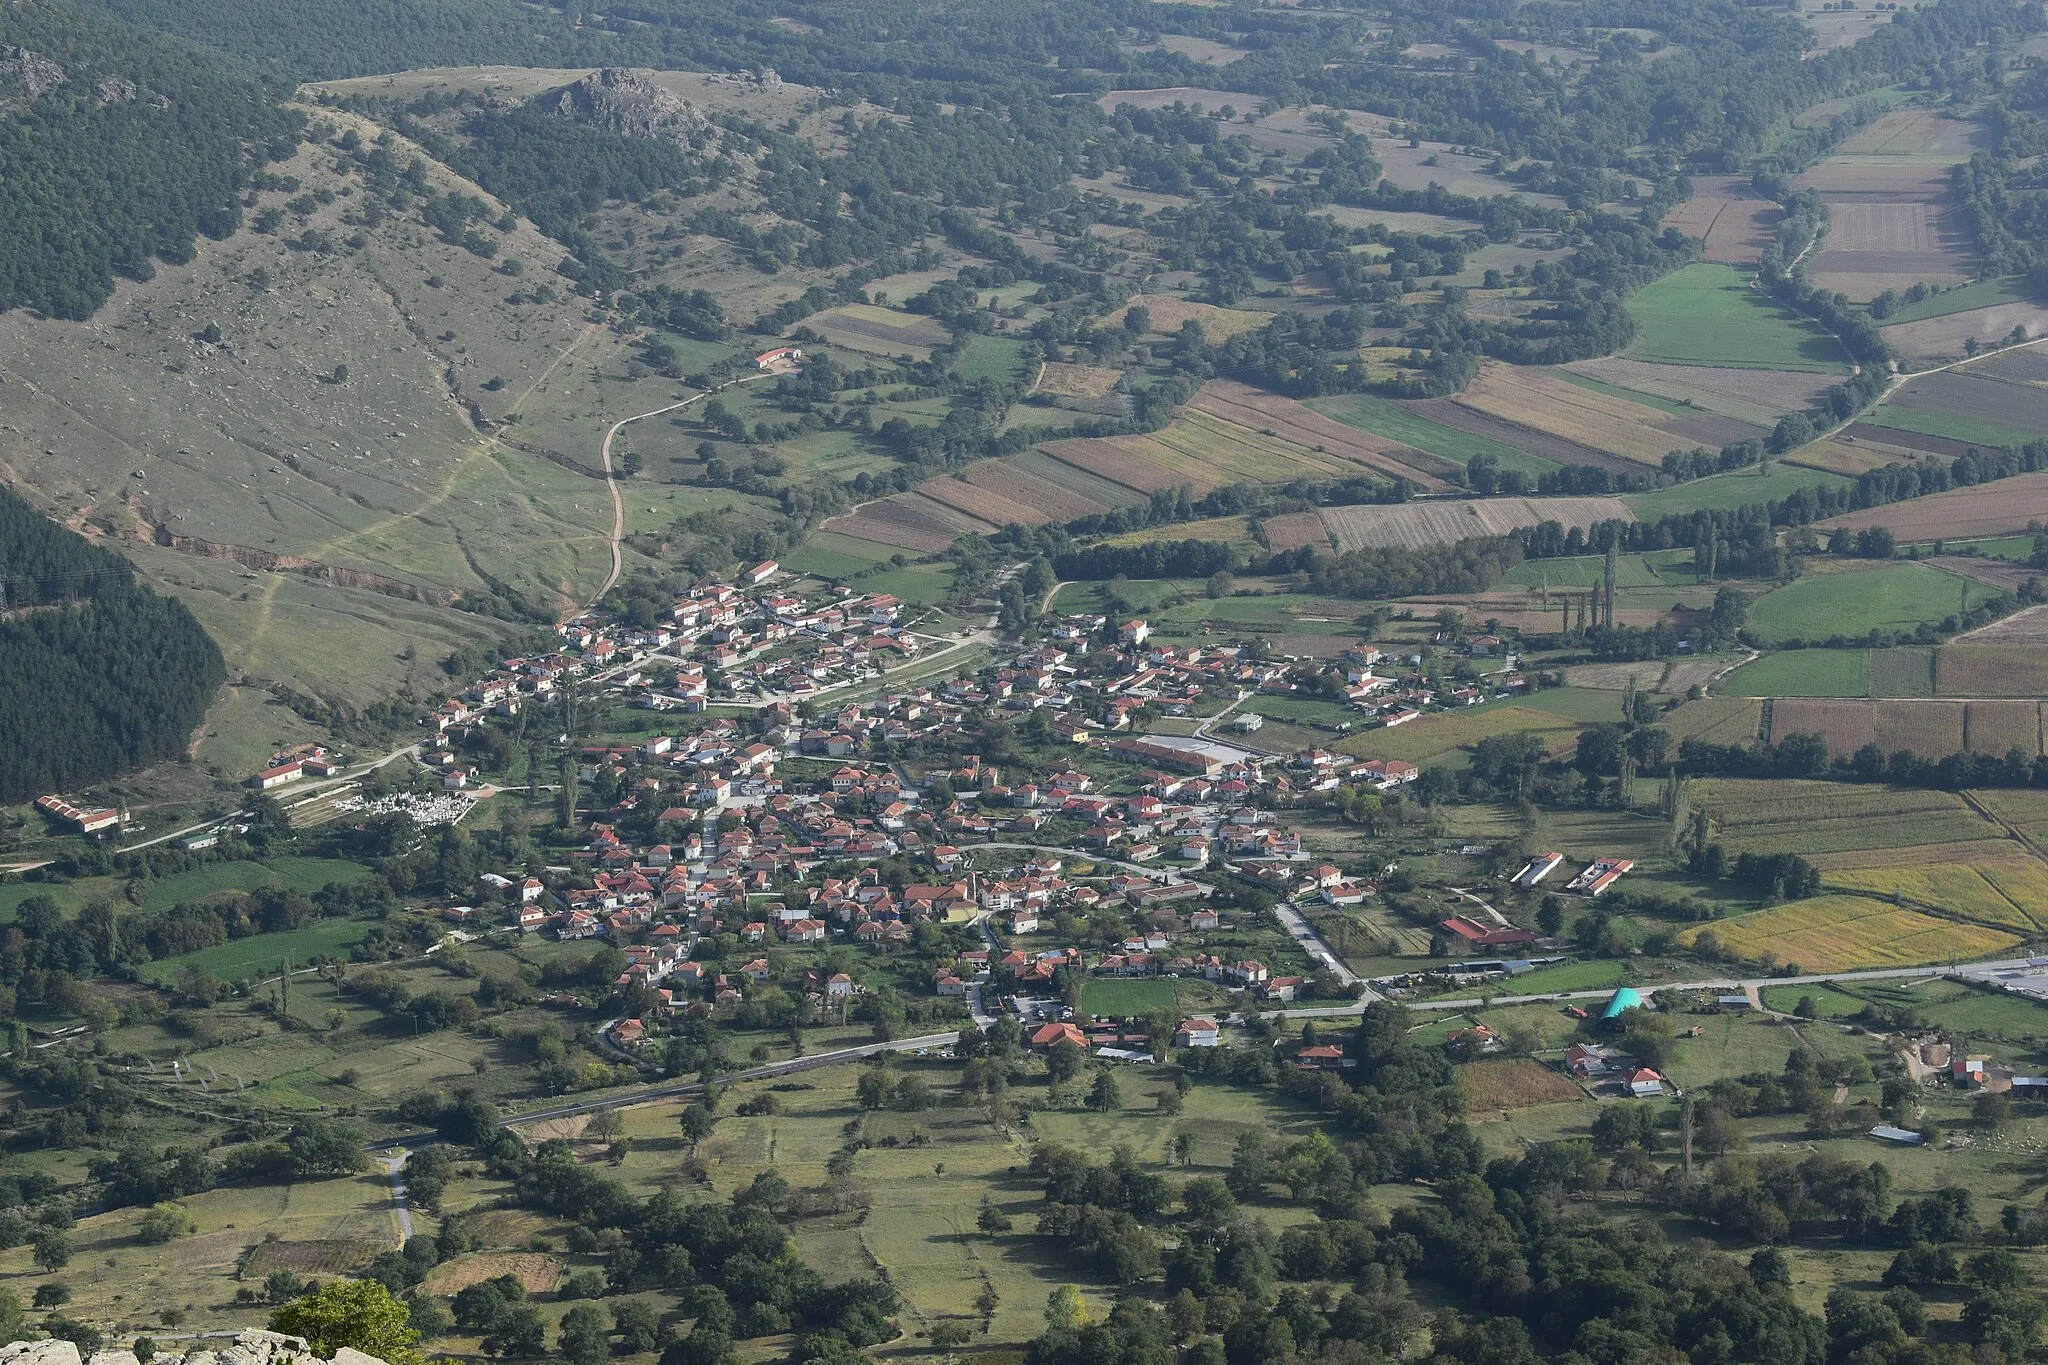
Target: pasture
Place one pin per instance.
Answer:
(240, 959)
(1889, 598)
(1760, 483)
(303, 875)
(1708, 315)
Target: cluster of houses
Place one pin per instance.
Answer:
(293, 764)
(1390, 690)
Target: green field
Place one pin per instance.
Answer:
(997, 358)
(247, 957)
(1566, 976)
(1802, 673)
(1709, 315)
(1389, 418)
(1941, 424)
(1583, 571)
(293, 874)
(1729, 490)
(1129, 997)
(1982, 294)
(2015, 548)
(1895, 597)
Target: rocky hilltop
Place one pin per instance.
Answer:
(250, 1348)
(629, 103)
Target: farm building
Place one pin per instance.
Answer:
(1486, 936)
(781, 355)
(1537, 868)
(1904, 1137)
(1601, 875)
(1625, 999)
(1644, 1083)
(278, 776)
(86, 820)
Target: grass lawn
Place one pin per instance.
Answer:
(1927, 423)
(1983, 294)
(1128, 997)
(1729, 490)
(1708, 315)
(1568, 976)
(1892, 597)
(247, 957)
(1389, 418)
(1828, 1001)
(1802, 673)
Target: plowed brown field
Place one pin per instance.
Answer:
(1983, 510)
(1414, 525)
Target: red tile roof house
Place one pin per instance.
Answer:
(1051, 1035)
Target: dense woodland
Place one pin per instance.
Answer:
(98, 675)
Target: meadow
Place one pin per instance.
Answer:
(1708, 315)
(240, 959)
(1982, 294)
(303, 875)
(1762, 483)
(1802, 673)
(1890, 598)
(1436, 736)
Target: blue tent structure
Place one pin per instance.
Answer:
(1624, 999)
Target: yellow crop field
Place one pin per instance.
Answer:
(1446, 731)
(1169, 311)
(1536, 399)
(2012, 892)
(1844, 933)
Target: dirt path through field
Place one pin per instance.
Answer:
(483, 448)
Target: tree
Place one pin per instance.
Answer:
(992, 1220)
(52, 1249)
(1064, 1062)
(636, 1324)
(521, 1331)
(583, 1339)
(698, 1121)
(1646, 1035)
(165, 1223)
(355, 1313)
(950, 1335)
(1105, 1096)
(1065, 1309)
(873, 1089)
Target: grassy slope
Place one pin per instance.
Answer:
(1892, 597)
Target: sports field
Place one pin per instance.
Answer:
(1890, 598)
(1709, 315)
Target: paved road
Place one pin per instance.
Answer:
(1304, 933)
(1745, 984)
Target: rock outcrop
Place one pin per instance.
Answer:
(628, 103)
(249, 1348)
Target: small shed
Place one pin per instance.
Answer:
(1904, 1137)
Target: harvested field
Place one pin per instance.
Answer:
(1965, 851)
(1971, 398)
(1109, 460)
(1533, 398)
(1837, 457)
(2009, 892)
(333, 1256)
(1960, 514)
(1417, 524)
(1076, 381)
(1717, 720)
(1999, 573)
(1732, 220)
(1709, 431)
(1999, 727)
(1079, 483)
(2014, 365)
(1291, 421)
(1844, 933)
(1931, 729)
(1513, 1083)
(1846, 725)
(1926, 134)
(1876, 241)
(1169, 311)
(905, 520)
(1991, 670)
(982, 503)
(2027, 626)
(1837, 179)
(1005, 479)
(1895, 443)
(1778, 391)
(537, 1271)
(1295, 530)
(1943, 337)
(1543, 445)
